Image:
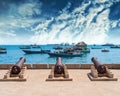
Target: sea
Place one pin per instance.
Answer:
(14, 53)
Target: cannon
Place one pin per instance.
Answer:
(59, 72)
(101, 69)
(100, 72)
(59, 67)
(17, 72)
(16, 69)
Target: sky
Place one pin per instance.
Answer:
(59, 21)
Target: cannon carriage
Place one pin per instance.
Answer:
(17, 72)
(100, 72)
(59, 72)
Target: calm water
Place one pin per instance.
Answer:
(14, 53)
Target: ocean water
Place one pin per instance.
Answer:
(14, 53)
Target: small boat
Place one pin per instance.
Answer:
(65, 54)
(36, 51)
(2, 48)
(105, 50)
(3, 51)
(95, 48)
(108, 44)
(24, 47)
(117, 46)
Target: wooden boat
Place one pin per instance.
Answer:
(3, 51)
(105, 50)
(108, 44)
(95, 48)
(36, 51)
(2, 48)
(62, 54)
(72, 51)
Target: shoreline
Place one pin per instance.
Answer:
(69, 66)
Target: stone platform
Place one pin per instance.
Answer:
(80, 86)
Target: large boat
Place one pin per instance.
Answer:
(65, 54)
(68, 52)
(81, 46)
(72, 51)
(36, 51)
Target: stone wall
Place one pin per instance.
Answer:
(69, 66)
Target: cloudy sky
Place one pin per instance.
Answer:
(58, 21)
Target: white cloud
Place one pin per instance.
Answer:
(29, 9)
(14, 21)
(78, 28)
(10, 34)
(67, 27)
(42, 25)
(115, 23)
(7, 33)
(7, 37)
(63, 16)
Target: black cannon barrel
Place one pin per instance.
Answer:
(16, 69)
(100, 67)
(59, 68)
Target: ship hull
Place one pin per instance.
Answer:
(36, 52)
(64, 55)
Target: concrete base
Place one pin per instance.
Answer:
(20, 77)
(101, 78)
(59, 79)
(14, 79)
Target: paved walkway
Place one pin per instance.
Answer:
(80, 86)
